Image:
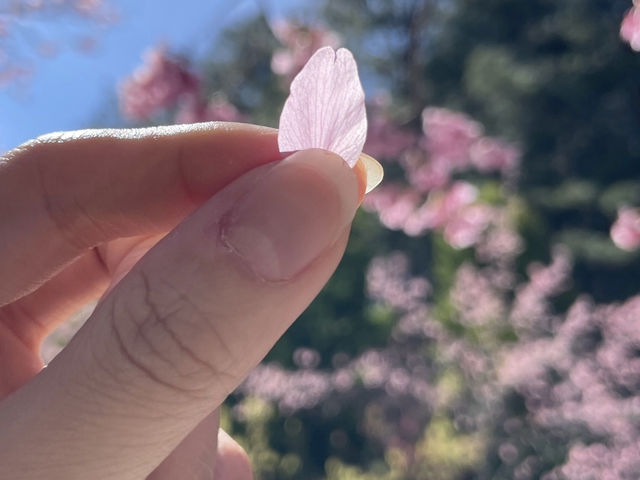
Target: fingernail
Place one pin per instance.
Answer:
(374, 171)
(292, 215)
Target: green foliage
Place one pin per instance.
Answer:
(625, 192)
(445, 453)
(269, 463)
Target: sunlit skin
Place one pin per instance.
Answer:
(180, 320)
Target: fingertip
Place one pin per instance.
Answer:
(232, 462)
(292, 215)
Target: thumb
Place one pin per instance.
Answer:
(184, 327)
(208, 452)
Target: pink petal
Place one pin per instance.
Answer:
(326, 107)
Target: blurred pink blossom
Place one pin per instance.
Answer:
(158, 84)
(299, 43)
(474, 297)
(630, 28)
(625, 232)
(581, 373)
(291, 390)
(488, 154)
(619, 351)
(448, 210)
(449, 135)
(465, 228)
(598, 461)
(473, 362)
(501, 243)
(425, 173)
(453, 211)
(417, 323)
(385, 139)
(384, 371)
(442, 206)
(389, 281)
(394, 204)
(306, 357)
(452, 143)
(531, 307)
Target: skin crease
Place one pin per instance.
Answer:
(181, 318)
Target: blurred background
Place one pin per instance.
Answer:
(485, 321)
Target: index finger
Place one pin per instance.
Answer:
(64, 193)
(185, 326)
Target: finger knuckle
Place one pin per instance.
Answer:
(164, 334)
(71, 222)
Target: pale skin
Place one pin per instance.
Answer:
(181, 318)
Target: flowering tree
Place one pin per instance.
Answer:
(484, 322)
(23, 31)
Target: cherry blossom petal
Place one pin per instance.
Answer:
(326, 107)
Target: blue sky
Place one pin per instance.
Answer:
(68, 90)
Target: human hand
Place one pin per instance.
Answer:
(182, 318)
